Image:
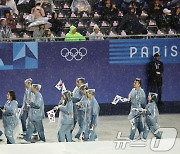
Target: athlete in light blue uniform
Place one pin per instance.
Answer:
(82, 105)
(92, 113)
(36, 115)
(65, 117)
(10, 117)
(137, 99)
(151, 120)
(76, 97)
(25, 106)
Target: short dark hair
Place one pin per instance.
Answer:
(156, 55)
(12, 94)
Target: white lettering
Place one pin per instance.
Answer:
(174, 51)
(156, 49)
(165, 51)
(144, 51)
(133, 51)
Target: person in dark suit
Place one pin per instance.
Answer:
(156, 69)
(131, 24)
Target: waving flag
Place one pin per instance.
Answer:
(116, 99)
(119, 98)
(59, 85)
(63, 88)
(51, 115)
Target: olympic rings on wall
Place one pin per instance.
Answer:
(73, 53)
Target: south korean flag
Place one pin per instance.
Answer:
(116, 99)
(119, 98)
(59, 85)
(51, 115)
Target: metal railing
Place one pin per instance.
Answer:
(106, 37)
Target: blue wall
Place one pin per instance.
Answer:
(44, 63)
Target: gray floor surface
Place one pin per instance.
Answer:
(108, 127)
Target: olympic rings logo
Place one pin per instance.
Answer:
(73, 53)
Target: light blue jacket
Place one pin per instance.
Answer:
(151, 114)
(84, 101)
(138, 101)
(10, 116)
(92, 112)
(77, 95)
(36, 111)
(66, 113)
(28, 95)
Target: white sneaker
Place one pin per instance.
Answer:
(144, 140)
(76, 140)
(133, 140)
(25, 142)
(40, 141)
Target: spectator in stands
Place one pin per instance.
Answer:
(48, 35)
(11, 4)
(156, 69)
(155, 10)
(39, 33)
(114, 12)
(73, 35)
(176, 20)
(38, 11)
(96, 5)
(164, 21)
(138, 4)
(56, 24)
(96, 35)
(25, 6)
(5, 31)
(80, 5)
(10, 21)
(2, 10)
(106, 10)
(48, 6)
(130, 23)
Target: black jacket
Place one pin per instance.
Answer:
(155, 69)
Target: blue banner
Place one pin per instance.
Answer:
(47, 63)
(21, 56)
(140, 51)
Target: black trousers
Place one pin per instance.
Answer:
(156, 86)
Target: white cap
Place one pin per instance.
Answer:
(80, 78)
(153, 94)
(28, 80)
(95, 27)
(83, 86)
(37, 86)
(166, 11)
(91, 91)
(2, 19)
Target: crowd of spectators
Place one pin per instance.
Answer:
(93, 18)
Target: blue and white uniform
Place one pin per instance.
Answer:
(66, 122)
(76, 97)
(28, 95)
(138, 102)
(10, 120)
(81, 115)
(35, 117)
(92, 113)
(151, 120)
